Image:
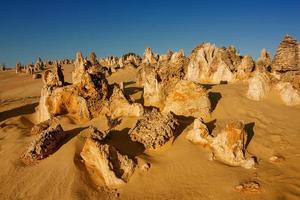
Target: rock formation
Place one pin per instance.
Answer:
(199, 134)
(49, 136)
(188, 99)
(209, 64)
(149, 57)
(104, 159)
(229, 146)
(52, 123)
(84, 99)
(259, 85)
(287, 57)
(244, 69)
(264, 61)
(158, 79)
(154, 129)
(120, 106)
(289, 94)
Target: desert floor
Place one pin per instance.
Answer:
(180, 170)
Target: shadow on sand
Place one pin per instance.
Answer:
(250, 133)
(23, 110)
(214, 98)
(121, 141)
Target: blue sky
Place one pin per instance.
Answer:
(57, 29)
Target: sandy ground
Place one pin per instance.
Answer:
(180, 170)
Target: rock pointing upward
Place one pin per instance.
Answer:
(287, 55)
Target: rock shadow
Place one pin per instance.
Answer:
(211, 125)
(23, 110)
(214, 98)
(122, 142)
(250, 133)
(71, 134)
(132, 90)
(183, 123)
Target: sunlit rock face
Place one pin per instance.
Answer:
(229, 146)
(210, 64)
(199, 134)
(264, 61)
(188, 99)
(149, 57)
(287, 57)
(120, 106)
(105, 160)
(84, 99)
(244, 69)
(289, 94)
(259, 85)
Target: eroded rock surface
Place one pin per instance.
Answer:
(120, 106)
(188, 99)
(259, 86)
(229, 146)
(154, 129)
(287, 57)
(199, 134)
(49, 136)
(115, 168)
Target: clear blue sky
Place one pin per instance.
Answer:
(57, 29)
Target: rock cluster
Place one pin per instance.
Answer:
(282, 74)
(84, 99)
(210, 64)
(154, 129)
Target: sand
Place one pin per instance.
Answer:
(180, 170)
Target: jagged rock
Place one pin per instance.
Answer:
(46, 143)
(188, 99)
(177, 57)
(245, 68)
(116, 169)
(84, 99)
(259, 85)
(229, 146)
(54, 79)
(287, 57)
(154, 129)
(149, 57)
(199, 134)
(153, 88)
(120, 106)
(288, 93)
(166, 57)
(248, 186)
(52, 123)
(159, 79)
(209, 64)
(264, 61)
